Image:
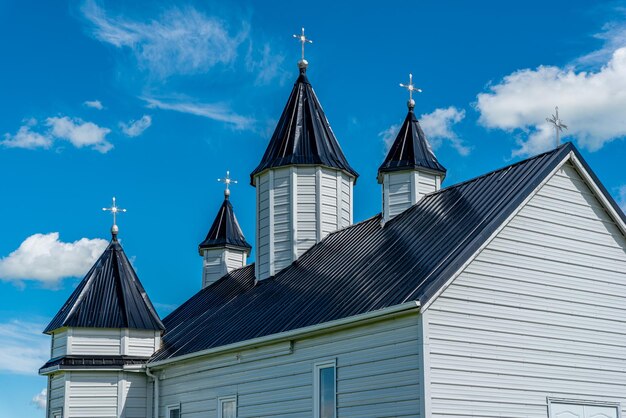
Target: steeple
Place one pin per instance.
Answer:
(302, 163)
(411, 168)
(225, 248)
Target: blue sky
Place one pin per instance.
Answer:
(152, 102)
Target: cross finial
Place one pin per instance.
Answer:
(411, 88)
(302, 64)
(114, 210)
(227, 181)
(558, 125)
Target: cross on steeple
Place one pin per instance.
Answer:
(303, 40)
(558, 125)
(411, 88)
(114, 210)
(227, 181)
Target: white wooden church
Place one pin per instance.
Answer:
(501, 296)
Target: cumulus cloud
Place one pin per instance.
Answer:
(95, 104)
(45, 258)
(215, 111)
(590, 102)
(179, 41)
(80, 133)
(438, 127)
(24, 348)
(621, 197)
(136, 128)
(27, 138)
(39, 400)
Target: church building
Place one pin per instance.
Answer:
(500, 296)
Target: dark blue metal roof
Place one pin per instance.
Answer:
(303, 135)
(225, 230)
(411, 150)
(361, 268)
(110, 296)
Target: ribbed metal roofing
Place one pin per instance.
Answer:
(303, 135)
(225, 230)
(361, 268)
(110, 296)
(411, 150)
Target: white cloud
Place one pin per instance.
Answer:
(43, 257)
(180, 41)
(136, 128)
(267, 65)
(96, 104)
(27, 138)
(621, 198)
(438, 124)
(39, 400)
(24, 348)
(80, 133)
(215, 111)
(590, 102)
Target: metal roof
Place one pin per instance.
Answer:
(92, 362)
(225, 230)
(303, 135)
(365, 267)
(110, 296)
(411, 150)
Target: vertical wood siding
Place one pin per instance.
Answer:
(540, 312)
(377, 375)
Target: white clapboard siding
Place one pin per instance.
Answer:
(298, 206)
(377, 375)
(235, 259)
(59, 344)
(142, 343)
(403, 189)
(56, 393)
(219, 261)
(91, 341)
(427, 183)
(135, 395)
(540, 312)
(92, 394)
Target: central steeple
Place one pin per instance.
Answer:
(304, 181)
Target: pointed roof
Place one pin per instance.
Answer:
(225, 230)
(110, 296)
(411, 150)
(303, 134)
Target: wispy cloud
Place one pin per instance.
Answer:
(621, 197)
(389, 135)
(80, 133)
(438, 127)
(137, 127)
(24, 348)
(39, 400)
(47, 259)
(179, 41)
(95, 104)
(215, 111)
(266, 64)
(27, 138)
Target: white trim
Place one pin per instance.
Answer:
(125, 333)
(66, 394)
(257, 255)
(437, 183)
(367, 317)
(318, 204)
(493, 235)
(222, 400)
(316, 384)
(582, 402)
(385, 197)
(68, 341)
(415, 179)
(121, 397)
(271, 212)
(425, 401)
(351, 190)
(339, 202)
(173, 407)
(294, 212)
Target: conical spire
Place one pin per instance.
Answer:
(225, 231)
(411, 150)
(110, 296)
(303, 135)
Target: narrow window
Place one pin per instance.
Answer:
(227, 407)
(325, 390)
(173, 411)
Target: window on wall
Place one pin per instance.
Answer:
(227, 407)
(325, 389)
(565, 408)
(173, 411)
(57, 414)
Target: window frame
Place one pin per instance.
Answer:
(57, 412)
(317, 367)
(583, 402)
(172, 407)
(222, 400)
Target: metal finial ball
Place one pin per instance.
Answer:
(115, 230)
(226, 192)
(411, 104)
(302, 64)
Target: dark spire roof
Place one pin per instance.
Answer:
(303, 134)
(110, 296)
(411, 149)
(225, 230)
